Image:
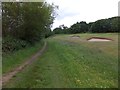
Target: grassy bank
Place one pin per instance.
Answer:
(72, 63)
(13, 60)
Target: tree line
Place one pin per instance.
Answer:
(110, 25)
(25, 23)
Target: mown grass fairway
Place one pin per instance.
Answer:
(72, 63)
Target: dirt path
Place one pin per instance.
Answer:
(8, 76)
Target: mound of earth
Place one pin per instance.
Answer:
(75, 36)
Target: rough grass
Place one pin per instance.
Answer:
(72, 63)
(13, 60)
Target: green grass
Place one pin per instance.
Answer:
(69, 63)
(13, 60)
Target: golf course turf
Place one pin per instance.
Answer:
(72, 63)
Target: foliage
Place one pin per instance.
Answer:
(11, 44)
(100, 26)
(79, 27)
(61, 30)
(110, 25)
(26, 21)
(105, 25)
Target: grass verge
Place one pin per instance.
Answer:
(13, 60)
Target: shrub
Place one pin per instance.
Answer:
(10, 44)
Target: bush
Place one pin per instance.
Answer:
(10, 44)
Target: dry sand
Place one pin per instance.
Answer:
(99, 39)
(93, 40)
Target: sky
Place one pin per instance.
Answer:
(72, 11)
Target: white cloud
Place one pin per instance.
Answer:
(71, 11)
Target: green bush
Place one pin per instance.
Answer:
(10, 44)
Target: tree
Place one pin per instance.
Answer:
(109, 25)
(105, 25)
(25, 22)
(81, 27)
(62, 29)
(100, 26)
(58, 30)
(115, 24)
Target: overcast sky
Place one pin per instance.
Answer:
(72, 11)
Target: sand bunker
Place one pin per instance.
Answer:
(94, 39)
(75, 36)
